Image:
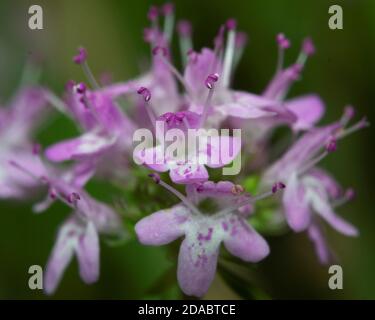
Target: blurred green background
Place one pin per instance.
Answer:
(342, 72)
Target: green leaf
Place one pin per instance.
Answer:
(251, 184)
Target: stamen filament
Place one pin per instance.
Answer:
(30, 74)
(89, 105)
(341, 201)
(151, 114)
(358, 126)
(45, 181)
(57, 103)
(179, 195)
(168, 26)
(302, 58)
(26, 171)
(185, 41)
(177, 74)
(185, 45)
(228, 57)
(89, 75)
(280, 60)
(206, 106)
(313, 162)
(143, 91)
(251, 200)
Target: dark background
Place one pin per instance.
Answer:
(342, 72)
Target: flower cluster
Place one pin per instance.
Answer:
(210, 211)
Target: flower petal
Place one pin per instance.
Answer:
(309, 109)
(196, 267)
(296, 206)
(321, 248)
(188, 173)
(221, 150)
(61, 255)
(122, 88)
(244, 242)
(16, 183)
(324, 209)
(88, 254)
(329, 183)
(302, 151)
(154, 158)
(162, 227)
(247, 106)
(87, 145)
(198, 69)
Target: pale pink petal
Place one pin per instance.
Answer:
(321, 247)
(330, 184)
(221, 150)
(247, 106)
(325, 210)
(87, 145)
(243, 241)
(61, 255)
(196, 267)
(309, 110)
(154, 158)
(198, 69)
(188, 173)
(162, 227)
(296, 206)
(88, 254)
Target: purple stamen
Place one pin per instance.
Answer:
(73, 197)
(36, 149)
(211, 80)
(145, 93)
(153, 13)
(281, 185)
(150, 35)
(282, 41)
(53, 193)
(160, 50)
(81, 56)
(184, 28)
(350, 194)
(274, 188)
(331, 145)
(80, 88)
(348, 114)
(167, 9)
(278, 186)
(308, 47)
(154, 176)
(363, 123)
(231, 24)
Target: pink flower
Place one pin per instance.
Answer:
(311, 192)
(204, 232)
(18, 124)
